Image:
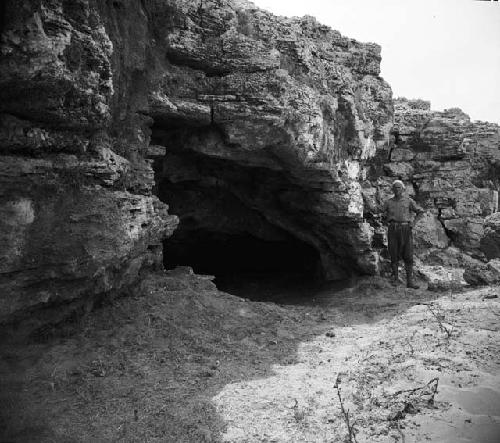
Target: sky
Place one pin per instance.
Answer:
(444, 51)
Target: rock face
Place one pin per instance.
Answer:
(490, 241)
(450, 166)
(77, 215)
(259, 128)
(453, 168)
(267, 124)
(260, 125)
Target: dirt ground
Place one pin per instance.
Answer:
(179, 361)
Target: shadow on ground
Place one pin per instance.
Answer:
(146, 367)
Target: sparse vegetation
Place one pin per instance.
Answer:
(186, 363)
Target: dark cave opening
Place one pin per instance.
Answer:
(243, 265)
(218, 253)
(224, 228)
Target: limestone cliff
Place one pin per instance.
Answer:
(274, 115)
(244, 123)
(77, 216)
(267, 123)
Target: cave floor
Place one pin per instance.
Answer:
(179, 361)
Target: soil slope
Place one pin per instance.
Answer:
(180, 361)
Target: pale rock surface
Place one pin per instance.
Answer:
(399, 170)
(441, 278)
(429, 232)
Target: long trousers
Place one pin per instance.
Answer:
(400, 242)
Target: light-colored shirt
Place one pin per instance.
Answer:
(398, 209)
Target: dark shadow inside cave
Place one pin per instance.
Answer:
(218, 253)
(247, 266)
(224, 229)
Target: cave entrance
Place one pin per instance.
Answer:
(232, 216)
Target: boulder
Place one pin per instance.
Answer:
(466, 232)
(428, 231)
(483, 273)
(490, 241)
(402, 155)
(400, 170)
(440, 278)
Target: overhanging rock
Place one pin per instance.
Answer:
(278, 114)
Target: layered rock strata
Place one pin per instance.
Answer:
(77, 215)
(267, 123)
(272, 128)
(450, 166)
(269, 118)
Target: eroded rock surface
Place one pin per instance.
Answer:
(77, 215)
(490, 241)
(449, 165)
(261, 126)
(264, 127)
(479, 274)
(267, 124)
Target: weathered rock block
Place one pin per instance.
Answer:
(483, 273)
(429, 232)
(490, 241)
(441, 278)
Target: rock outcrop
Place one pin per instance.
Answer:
(245, 124)
(490, 241)
(267, 123)
(77, 215)
(449, 165)
(260, 125)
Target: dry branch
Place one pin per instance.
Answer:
(411, 391)
(439, 318)
(345, 413)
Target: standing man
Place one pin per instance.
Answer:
(400, 242)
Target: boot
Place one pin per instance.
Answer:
(410, 282)
(395, 274)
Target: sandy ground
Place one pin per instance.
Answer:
(180, 361)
